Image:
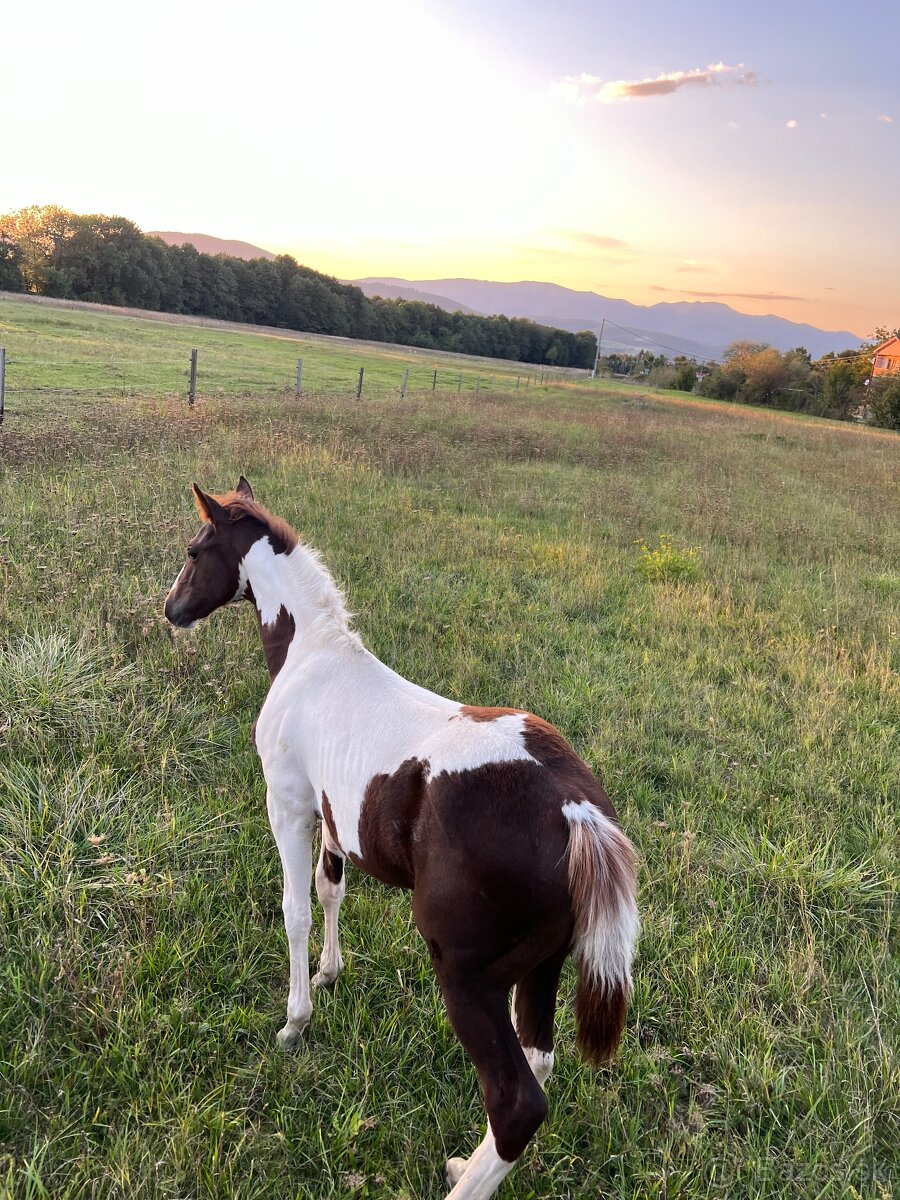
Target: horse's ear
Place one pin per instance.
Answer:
(208, 507)
(244, 489)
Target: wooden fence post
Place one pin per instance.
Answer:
(359, 384)
(298, 390)
(434, 382)
(192, 386)
(404, 383)
(459, 384)
(2, 381)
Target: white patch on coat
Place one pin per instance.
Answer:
(606, 947)
(260, 563)
(465, 745)
(242, 582)
(177, 580)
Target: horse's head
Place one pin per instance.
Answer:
(211, 575)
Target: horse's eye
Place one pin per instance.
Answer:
(191, 553)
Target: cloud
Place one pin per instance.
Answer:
(578, 89)
(672, 81)
(726, 295)
(792, 124)
(597, 241)
(885, 119)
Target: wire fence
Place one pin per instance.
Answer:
(31, 385)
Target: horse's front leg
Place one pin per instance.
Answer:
(292, 823)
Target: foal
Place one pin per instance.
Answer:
(507, 842)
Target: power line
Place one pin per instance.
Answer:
(642, 337)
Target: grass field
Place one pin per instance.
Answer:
(63, 358)
(741, 704)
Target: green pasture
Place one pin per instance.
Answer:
(704, 599)
(60, 357)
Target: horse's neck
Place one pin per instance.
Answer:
(353, 715)
(298, 603)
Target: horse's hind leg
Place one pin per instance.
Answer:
(513, 1098)
(330, 887)
(533, 1010)
(534, 1007)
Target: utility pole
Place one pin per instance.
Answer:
(597, 355)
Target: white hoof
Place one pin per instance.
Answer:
(290, 1037)
(324, 979)
(455, 1170)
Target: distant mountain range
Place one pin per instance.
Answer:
(700, 329)
(207, 244)
(401, 290)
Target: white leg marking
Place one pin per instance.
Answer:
(293, 836)
(330, 896)
(541, 1063)
(483, 1173)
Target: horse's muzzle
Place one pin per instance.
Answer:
(175, 616)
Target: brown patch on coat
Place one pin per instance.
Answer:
(489, 857)
(239, 506)
(388, 822)
(328, 818)
(476, 713)
(333, 866)
(550, 748)
(276, 639)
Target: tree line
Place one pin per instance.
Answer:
(50, 251)
(840, 386)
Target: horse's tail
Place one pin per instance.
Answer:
(602, 887)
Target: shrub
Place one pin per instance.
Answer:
(685, 377)
(668, 561)
(884, 402)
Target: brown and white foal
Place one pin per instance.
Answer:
(508, 844)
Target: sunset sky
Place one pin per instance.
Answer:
(649, 151)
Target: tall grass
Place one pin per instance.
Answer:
(744, 719)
